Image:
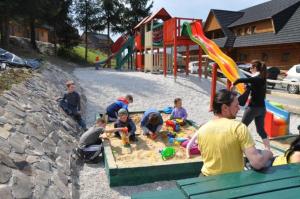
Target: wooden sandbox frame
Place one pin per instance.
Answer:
(124, 176)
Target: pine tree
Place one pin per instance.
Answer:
(87, 17)
(58, 17)
(8, 10)
(110, 17)
(134, 12)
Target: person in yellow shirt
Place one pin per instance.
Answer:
(222, 141)
(292, 155)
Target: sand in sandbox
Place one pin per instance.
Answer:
(146, 150)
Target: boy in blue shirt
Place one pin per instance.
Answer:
(122, 102)
(125, 121)
(151, 122)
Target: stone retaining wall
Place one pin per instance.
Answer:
(36, 138)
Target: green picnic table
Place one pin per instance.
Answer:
(276, 182)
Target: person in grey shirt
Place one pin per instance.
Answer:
(93, 136)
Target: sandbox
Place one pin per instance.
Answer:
(142, 163)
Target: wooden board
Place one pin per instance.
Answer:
(173, 193)
(282, 194)
(242, 183)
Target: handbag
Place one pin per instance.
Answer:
(244, 97)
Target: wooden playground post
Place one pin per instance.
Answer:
(175, 50)
(200, 63)
(228, 84)
(213, 85)
(165, 60)
(187, 60)
(205, 68)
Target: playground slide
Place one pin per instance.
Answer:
(227, 65)
(104, 62)
(277, 120)
(117, 48)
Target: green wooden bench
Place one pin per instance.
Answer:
(173, 193)
(277, 182)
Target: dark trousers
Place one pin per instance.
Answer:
(73, 113)
(258, 115)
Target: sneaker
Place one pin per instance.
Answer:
(153, 136)
(133, 138)
(79, 153)
(117, 135)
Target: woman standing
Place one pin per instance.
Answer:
(256, 109)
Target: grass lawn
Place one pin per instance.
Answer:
(92, 54)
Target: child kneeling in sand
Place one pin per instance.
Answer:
(122, 102)
(90, 142)
(151, 122)
(125, 121)
(178, 112)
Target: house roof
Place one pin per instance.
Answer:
(284, 13)
(160, 14)
(96, 37)
(263, 11)
(225, 18)
(289, 33)
(141, 22)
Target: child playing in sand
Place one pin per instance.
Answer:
(151, 122)
(178, 112)
(90, 141)
(125, 121)
(122, 102)
(70, 103)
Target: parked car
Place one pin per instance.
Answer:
(272, 72)
(293, 75)
(194, 66)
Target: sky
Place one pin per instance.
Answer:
(199, 8)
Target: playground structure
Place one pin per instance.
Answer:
(276, 119)
(154, 35)
(122, 50)
(149, 41)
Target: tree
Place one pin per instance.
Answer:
(33, 11)
(57, 16)
(8, 10)
(110, 17)
(87, 17)
(134, 12)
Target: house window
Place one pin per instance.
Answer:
(247, 31)
(264, 57)
(298, 69)
(242, 57)
(253, 29)
(239, 32)
(285, 57)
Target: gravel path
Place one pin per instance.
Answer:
(148, 90)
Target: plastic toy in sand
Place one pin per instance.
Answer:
(181, 122)
(167, 153)
(125, 137)
(173, 124)
(177, 140)
(193, 148)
